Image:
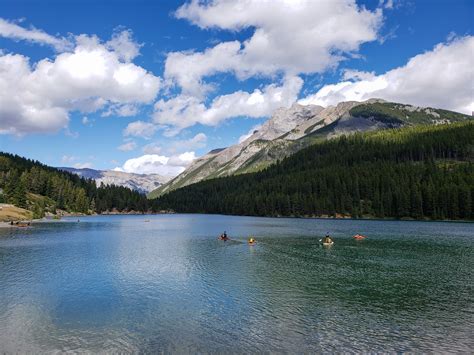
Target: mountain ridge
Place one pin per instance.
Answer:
(143, 183)
(292, 129)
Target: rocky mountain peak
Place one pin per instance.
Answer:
(293, 128)
(284, 120)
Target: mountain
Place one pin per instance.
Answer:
(139, 182)
(292, 129)
(415, 172)
(40, 189)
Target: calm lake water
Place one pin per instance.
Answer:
(118, 283)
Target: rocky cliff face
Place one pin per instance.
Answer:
(139, 182)
(291, 129)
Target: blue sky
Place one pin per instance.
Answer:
(146, 86)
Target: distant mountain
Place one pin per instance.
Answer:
(292, 129)
(43, 190)
(139, 182)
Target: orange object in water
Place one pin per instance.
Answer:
(359, 237)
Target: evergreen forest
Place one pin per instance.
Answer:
(415, 172)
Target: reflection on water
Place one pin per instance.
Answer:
(118, 283)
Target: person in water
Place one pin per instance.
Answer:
(327, 239)
(224, 236)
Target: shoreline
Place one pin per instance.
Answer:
(58, 218)
(325, 218)
(51, 218)
(282, 217)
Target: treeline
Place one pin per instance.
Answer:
(421, 172)
(20, 178)
(396, 114)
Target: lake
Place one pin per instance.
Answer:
(119, 283)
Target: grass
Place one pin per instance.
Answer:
(11, 213)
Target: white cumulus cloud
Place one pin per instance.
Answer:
(289, 37)
(123, 44)
(38, 98)
(442, 78)
(221, 58)
(158, 164)
(184, 111)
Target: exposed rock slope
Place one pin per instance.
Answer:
(292, 129)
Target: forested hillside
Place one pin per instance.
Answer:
(292, 129)
(39, 188)
(412, 172)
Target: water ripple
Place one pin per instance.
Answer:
(113, 284)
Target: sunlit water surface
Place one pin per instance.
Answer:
(118, 283)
